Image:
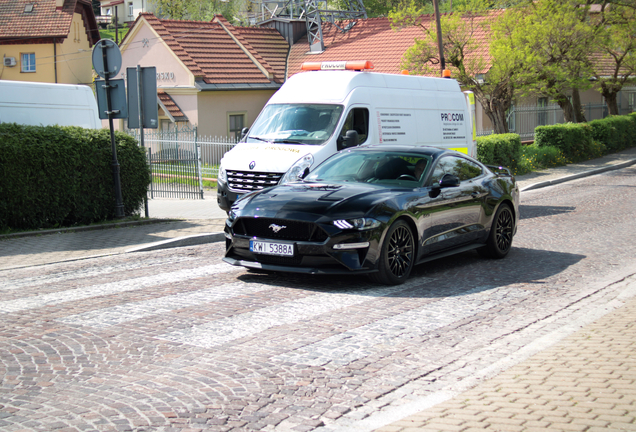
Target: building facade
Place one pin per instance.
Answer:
(47, 41)
(210, 75)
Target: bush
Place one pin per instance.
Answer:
(616, 132)
(499, 149)
(62, 176)
(535, 158)
(575, 140)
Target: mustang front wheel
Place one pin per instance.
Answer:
(397, 256)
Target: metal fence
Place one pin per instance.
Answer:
(180, 160)
(523, 119)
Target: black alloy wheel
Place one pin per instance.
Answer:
(500, 238)
(397, 256)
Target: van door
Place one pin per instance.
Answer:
(357, 119)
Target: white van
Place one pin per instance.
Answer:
(315, 114)
(44, 104)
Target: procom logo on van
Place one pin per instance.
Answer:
(452, 117)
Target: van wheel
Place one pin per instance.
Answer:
(397, 256)
(500, 238)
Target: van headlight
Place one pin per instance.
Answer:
(297, 169)
(222, 177)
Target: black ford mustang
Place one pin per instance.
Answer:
(378, 210)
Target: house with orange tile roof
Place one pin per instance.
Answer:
(47, 40)
(373, 39)
(211, 75)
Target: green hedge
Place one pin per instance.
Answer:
(584, 141)
(616, 132)
(500, 149)
(62, 176)
(575, 140)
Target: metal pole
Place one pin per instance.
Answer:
(119, 205)
(442, 62)
(140, 107)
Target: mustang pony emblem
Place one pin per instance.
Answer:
(276, 228)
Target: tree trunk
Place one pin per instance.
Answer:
(579, 114)
(566, 106)
(610, 95)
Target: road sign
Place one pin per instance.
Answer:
(149, 110)
(117, 98)
(113, 58)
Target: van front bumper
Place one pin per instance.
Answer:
(225, 197)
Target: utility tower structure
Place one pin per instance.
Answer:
(314, 13)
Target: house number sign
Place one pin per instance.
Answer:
(165, 75)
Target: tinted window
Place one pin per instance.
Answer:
(457, 166)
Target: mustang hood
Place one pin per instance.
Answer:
(321, 199)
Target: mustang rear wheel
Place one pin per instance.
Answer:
(397, 256)
(500, 238)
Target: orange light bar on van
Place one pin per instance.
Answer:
(446, 73)
(337, 65)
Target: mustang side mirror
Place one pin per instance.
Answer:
(449, 180)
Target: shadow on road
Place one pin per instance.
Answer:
(462, 273)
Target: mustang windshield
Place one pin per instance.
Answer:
(387, 168)
(295, 124)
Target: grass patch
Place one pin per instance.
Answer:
(535, 158)
(110, 34)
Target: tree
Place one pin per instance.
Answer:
(615, 51)
(196, 10)
(470, 64)
(551, 43)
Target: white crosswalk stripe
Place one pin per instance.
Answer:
(106, 317)
(86, 272)
(105, 289)
(361, 342)
(228, 329)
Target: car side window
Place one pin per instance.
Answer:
(457, 166)
(357, 120)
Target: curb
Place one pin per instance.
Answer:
(86, 228)
(578, 176)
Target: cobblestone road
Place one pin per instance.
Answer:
(177, 340)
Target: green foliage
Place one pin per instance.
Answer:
(499, 149)
(615, 132)
(535, 158)
(574, 140)
(62, 176)
(197, 10)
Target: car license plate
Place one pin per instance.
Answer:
(271, 248)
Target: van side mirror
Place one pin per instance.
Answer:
(350, 139)
(244, 132)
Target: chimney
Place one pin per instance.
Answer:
(59, 4)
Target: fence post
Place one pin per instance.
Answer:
(198, 156)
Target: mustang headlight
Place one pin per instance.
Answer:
(231, 217)
(297, 169)
(359, 224)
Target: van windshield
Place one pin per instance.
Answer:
(295, 123)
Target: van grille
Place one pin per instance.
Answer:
(248, 181)
(294, 230)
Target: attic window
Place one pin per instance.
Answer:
(28, 8)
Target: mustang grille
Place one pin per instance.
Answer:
(271, 228)
(248, 181)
